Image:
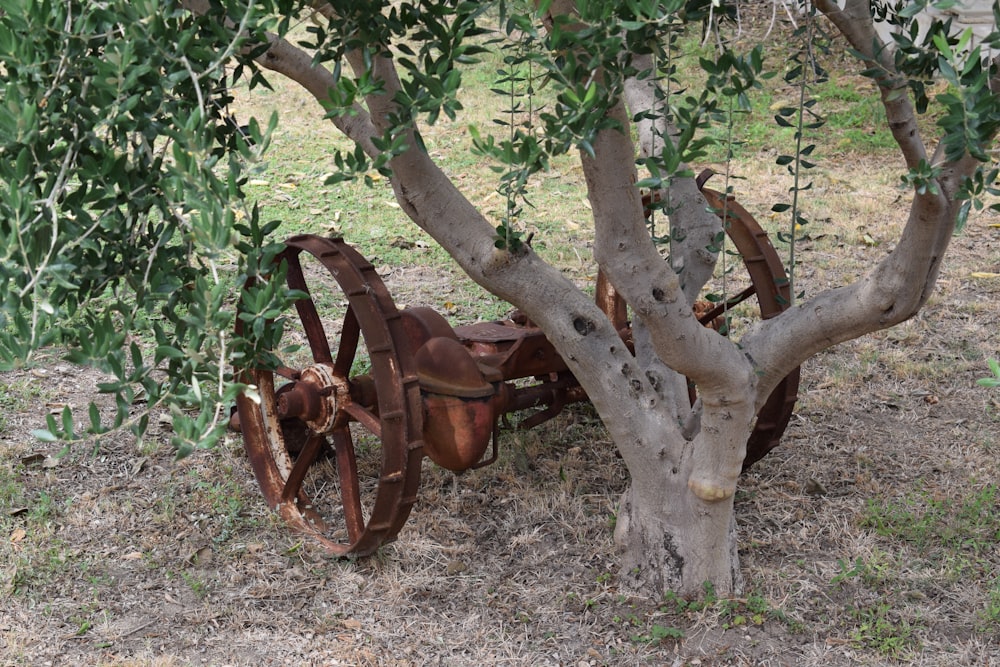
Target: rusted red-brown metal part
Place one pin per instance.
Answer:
(458, 404)
(289, 426)
(515, 350)
(432, 389)
(610, 302)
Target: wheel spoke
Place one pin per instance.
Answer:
(306, 457)
(365, 418)
(350, 493)
(311, 323)
(708, 317)
(348, 349)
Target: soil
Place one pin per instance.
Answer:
(122, 555)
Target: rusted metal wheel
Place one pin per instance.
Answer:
(768, 284)
(317, 413)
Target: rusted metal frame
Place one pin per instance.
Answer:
(555, 395)
(515, 350)
(707, 316)
(519, 351)
(306, 309)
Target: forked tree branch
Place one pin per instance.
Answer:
(622, 248)
(900, 284)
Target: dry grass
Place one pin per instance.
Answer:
(868, 538)
(125, 557)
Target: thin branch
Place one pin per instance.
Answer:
(689, 209)
(290, 61)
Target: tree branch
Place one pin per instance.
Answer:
(855, 23)
(290, 61)
(688, 210)
(298, 66)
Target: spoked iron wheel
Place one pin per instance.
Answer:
(767, 283)
(306, 435)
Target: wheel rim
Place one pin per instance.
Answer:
(307, 409)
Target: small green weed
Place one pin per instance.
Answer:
(225, 503)
(881, 630)
(990, 615)
(83, 619)
(876, 570)
(11, 489)
(991, 382)
(658, 633)
(197, 586)
(848, 570)
(36, 566)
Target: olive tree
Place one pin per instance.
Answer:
(124, 192)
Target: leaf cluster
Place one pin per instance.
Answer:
(123, 202)
(967, 111)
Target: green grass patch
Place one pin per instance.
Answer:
(937, 525)
(675, 613)
(882, 629)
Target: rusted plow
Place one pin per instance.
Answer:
(404, 384)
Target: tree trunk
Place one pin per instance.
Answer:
(671, 540)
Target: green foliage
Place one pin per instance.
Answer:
(122, 206)
(658, 634)
(968, 112)
(666, 622)
(991, 381)
(126, 232)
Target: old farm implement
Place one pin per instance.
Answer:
(336, 436)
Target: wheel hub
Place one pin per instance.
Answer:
(313, 397)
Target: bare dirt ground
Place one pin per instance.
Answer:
(868, 537)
